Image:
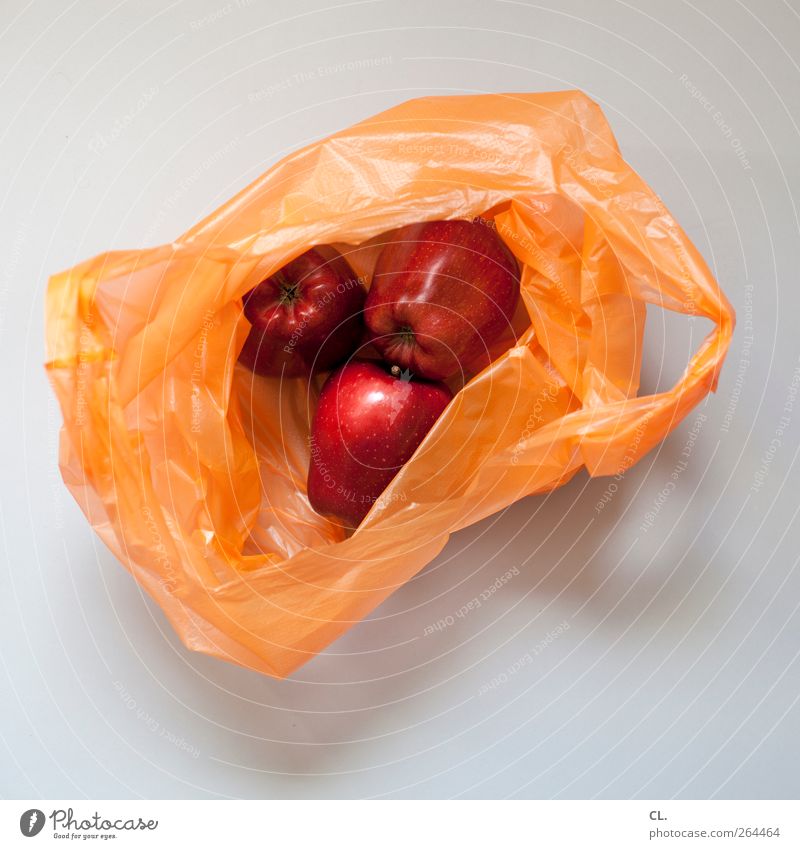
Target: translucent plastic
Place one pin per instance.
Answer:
(193, 471)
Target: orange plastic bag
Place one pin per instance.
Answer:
(193, 471)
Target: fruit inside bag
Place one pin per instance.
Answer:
(193, 470)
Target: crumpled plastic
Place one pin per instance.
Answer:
(192, 470)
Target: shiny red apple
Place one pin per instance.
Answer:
(368, 423)
(305, 317)
(442, 291)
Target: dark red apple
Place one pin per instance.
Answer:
(368, 423)
(305, 317)
(442, 291)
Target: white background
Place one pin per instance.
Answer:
(122, 124)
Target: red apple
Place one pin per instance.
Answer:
(368, 423)
(442, 291)
(305, 317)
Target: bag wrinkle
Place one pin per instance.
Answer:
(193, 470)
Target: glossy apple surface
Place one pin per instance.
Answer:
(305, 317)
(367, 425)
(442, 291)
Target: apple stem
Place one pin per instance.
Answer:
(404, 374)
